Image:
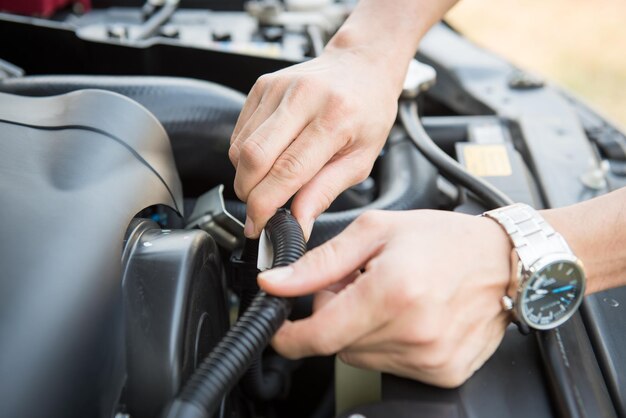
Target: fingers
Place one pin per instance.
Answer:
(365, 360)
(252, 102)
(388, 362)
(342, 284)
(342, 320)
(329, 263)
(258, 152)
(448, 362)
(324, 296)
(256, 119)
(318, 194)
(302, 160)
(249, 107)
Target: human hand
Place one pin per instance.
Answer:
(425, 306)
(313, 129)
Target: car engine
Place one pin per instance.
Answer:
(128, 289)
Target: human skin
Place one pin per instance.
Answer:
(314, 129)
(413, 293)
(417, 293)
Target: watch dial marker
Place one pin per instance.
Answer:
(551, 293)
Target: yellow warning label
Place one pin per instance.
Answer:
(487, 160)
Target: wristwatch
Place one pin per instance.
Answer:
(547, 279)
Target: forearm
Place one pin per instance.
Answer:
(389, 31)
(314, 129)
(596, 232)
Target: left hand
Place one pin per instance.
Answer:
(416, 294)
(312, 130)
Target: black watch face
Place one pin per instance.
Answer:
(552, 294)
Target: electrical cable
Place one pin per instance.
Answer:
(204, 392)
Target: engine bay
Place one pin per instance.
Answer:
(124, 244)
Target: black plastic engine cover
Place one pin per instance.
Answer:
(74, 171)
(175, 310)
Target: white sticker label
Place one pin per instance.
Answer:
(266, 253)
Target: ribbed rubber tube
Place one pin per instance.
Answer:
(223, 367)
(258, 382)
(406, 180)
(450, 168)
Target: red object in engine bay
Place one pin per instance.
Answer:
(43, 8)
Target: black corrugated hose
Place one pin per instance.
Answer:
(223, 367)
(266, 378)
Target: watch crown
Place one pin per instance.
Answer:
(507, 303)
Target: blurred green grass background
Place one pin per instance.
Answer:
(578, 44)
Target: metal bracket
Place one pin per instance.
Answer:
(211, 216)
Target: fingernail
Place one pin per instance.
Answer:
(277, 275)
(248, 229)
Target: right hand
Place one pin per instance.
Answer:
(313, 129)
(413, 293)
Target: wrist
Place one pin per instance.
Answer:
(591, 238)
(550, 281)
(388, 33)
(504, 256)
(382, 56)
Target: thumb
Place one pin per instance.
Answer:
(330, 262)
